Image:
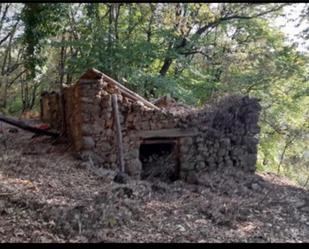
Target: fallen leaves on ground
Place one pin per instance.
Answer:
(48, 196)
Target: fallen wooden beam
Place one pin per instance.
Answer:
(165, 133)
(128, 92)
(26, 127)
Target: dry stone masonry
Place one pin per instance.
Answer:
(169, 140)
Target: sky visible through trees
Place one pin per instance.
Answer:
(290, 27)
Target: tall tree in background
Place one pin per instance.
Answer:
(10, 65)
(41, 21)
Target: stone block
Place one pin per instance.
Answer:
(187, 165)
(200, 166)
(87, 129)
(88, 142)
(133, 167)
(192, 178)
(105, 146)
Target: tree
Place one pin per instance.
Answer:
(11, 55)
(40, 21)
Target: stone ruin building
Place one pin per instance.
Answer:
(162, 139)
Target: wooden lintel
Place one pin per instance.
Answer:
(159, 141)
(166, 133)
(22, 125)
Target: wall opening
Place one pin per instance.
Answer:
(159, 160)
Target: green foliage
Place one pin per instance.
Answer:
(41, 20)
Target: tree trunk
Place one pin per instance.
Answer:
(61, 63)
(167, 63)
(3, 97)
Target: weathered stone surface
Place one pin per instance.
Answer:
(132, 154)
(221, 152)
(87, 129)
(109, 132)
(200, 166)
(228, 163)
(86, 117)
(121, 178)
(105, 146)
(186, 140)
(88, 142)
(184, 148)
(187, 165)
(113, 157)
(87, 100)
(134, 168)
(192, 178)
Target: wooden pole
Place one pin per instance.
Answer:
(118, 133)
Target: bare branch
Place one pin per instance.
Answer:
(4, 15)
(17, 77)
(10, 34)
(227, 18)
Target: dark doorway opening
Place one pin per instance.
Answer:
(159, 159)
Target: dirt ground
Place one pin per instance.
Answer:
(48, 195)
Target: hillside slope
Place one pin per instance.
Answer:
(48, 196)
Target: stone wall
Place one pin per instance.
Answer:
(98, 129)
(226, 131)
(73, 118)
(228, 136)
(51, 109)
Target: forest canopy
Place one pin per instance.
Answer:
(194, 52)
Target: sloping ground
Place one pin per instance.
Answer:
(48, 196)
